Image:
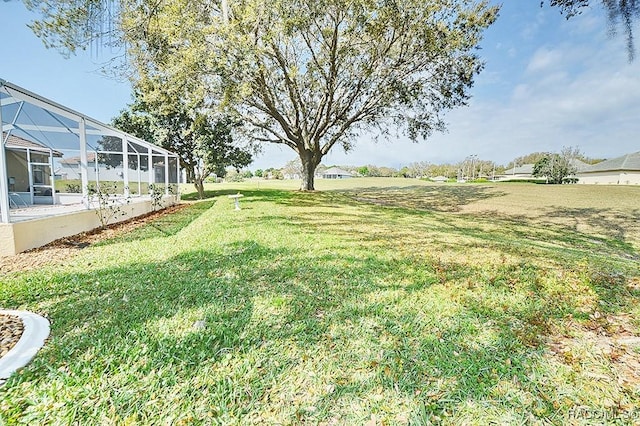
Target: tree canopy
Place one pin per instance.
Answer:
(203, 142)
(556, 168)
(620, 13)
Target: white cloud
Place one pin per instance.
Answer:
(596, 108)
(521, 93)
(531, 29)
(548, 83)
(545, 59)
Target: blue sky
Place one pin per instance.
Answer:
(548, 83)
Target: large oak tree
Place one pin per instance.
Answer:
(308, 74)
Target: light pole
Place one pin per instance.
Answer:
(473, 170)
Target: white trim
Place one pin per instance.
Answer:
(8, 100)
(4, 179)
(166, 174)
(84, 164)
(125, 164)
(56, 129)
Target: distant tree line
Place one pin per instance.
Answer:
(555, 167)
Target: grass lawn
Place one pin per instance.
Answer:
(373, 301)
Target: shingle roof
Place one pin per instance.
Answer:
(17, 142)
(70, 161)
(580, 165)
(626, 162)
(525, 169)
(336, 171)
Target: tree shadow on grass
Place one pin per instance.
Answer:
(193, 196)
(268, 314)
(426, 198)
(605, 231)
(112, 317)
(516, 234)
(429, 198)
(612, 225)
(291, 198)
(166, 225)
(274, 315)
(271, 194)
(610, 260)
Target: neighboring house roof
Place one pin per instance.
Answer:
(580, 165)
(71, 161)
(336, 171)
(626, 162)
(525, 169)
(20, 143)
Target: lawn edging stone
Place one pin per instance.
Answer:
(36, 330)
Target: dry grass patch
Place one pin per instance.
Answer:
(609, 212)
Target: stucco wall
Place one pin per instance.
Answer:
(610, 178)
(21, 236)
(7, 245)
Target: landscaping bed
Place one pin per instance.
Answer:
(60, 250)
(10, 331)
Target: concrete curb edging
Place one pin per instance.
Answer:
(36, 330)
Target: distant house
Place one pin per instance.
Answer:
(580, 165)
(29, 169)
(624, 170)
(523, 172)
(320, 171)
(69, 168)
(293, 175)
(439, 179)
(336, 173)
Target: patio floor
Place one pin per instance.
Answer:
(42, 211)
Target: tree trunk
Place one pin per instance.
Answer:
(309, 164)
(190, 173)
(199, 184)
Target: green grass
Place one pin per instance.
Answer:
(382, 301)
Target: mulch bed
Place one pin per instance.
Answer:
(10, 332)
(61, 250)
